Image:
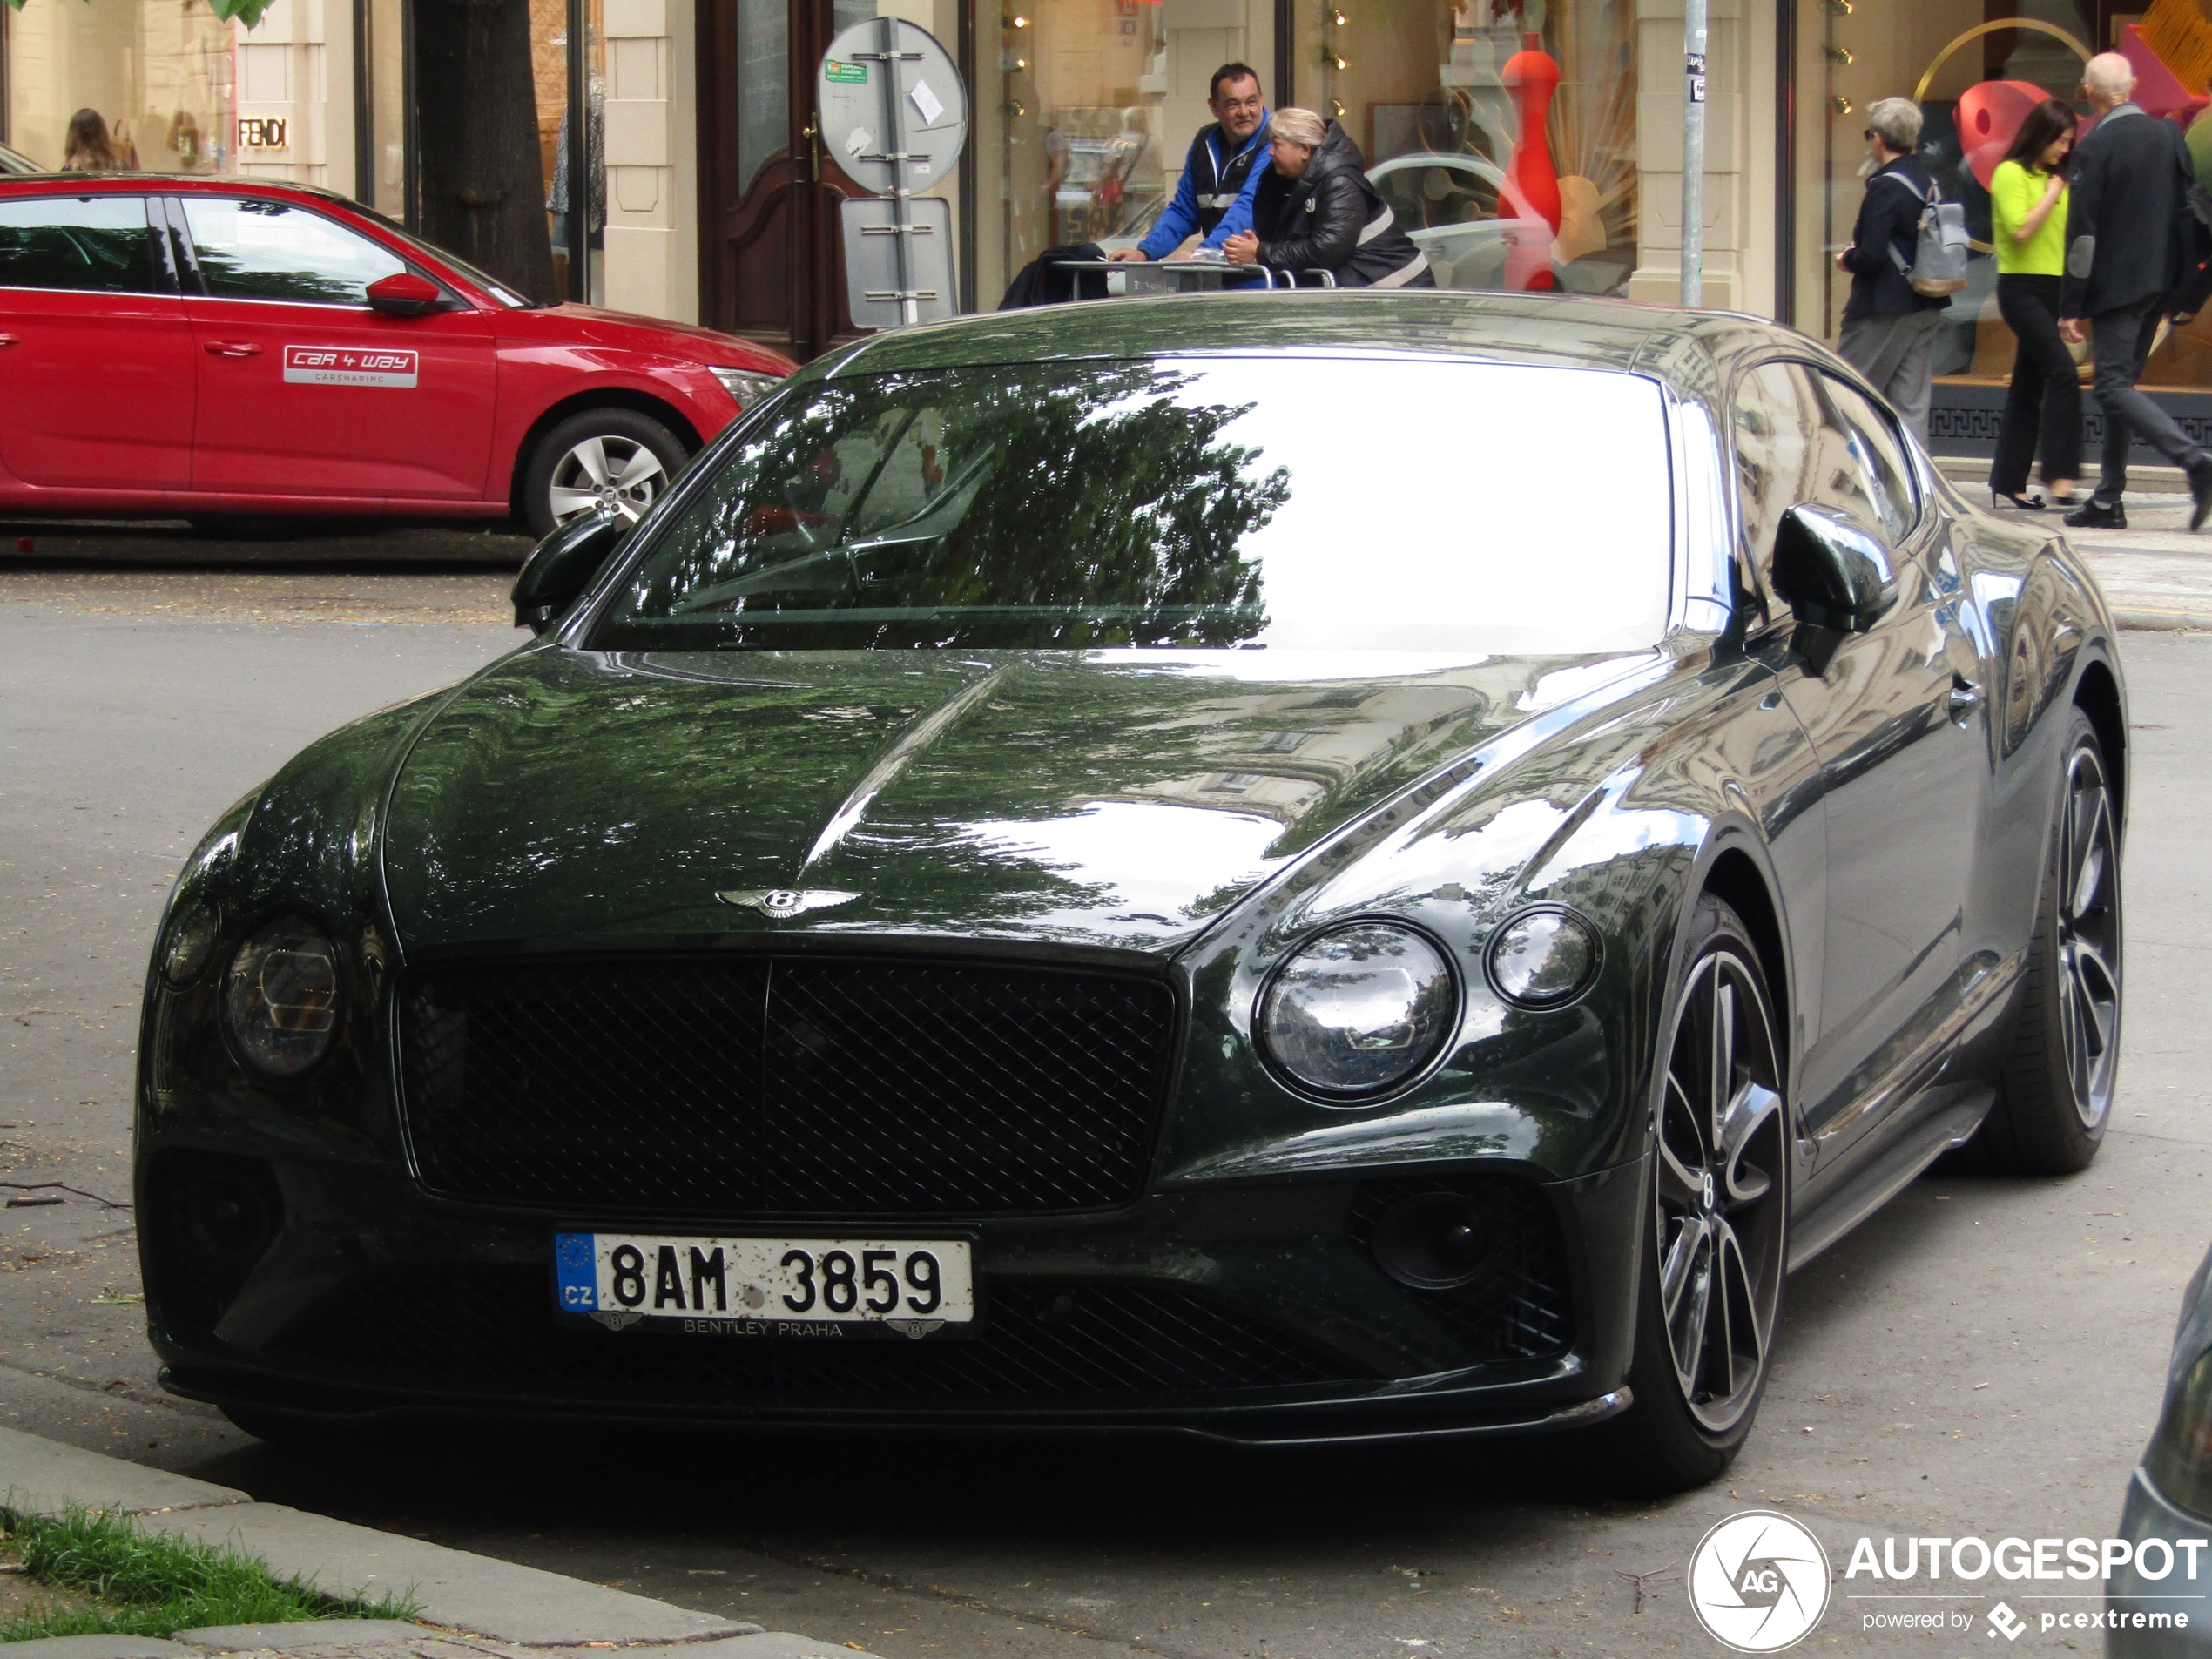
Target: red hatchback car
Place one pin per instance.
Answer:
(225, 348)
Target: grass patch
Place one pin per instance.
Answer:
(152, 1584)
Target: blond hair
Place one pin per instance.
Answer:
(1299, 126)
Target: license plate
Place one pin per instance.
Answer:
(767, 1286)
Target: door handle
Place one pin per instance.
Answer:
(232, 348)
(11, 340)
(1964, 698)
(813, 137)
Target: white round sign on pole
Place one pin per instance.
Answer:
(894, 112)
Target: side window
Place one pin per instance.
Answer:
(1775, 421)
(270, 250)
(93, 244)
(1861, 469)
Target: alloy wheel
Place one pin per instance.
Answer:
(1722, 1190)
(2088, 937)
(609, 474)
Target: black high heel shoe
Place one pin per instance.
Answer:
(2001, 498)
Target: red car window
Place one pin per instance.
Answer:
(257, 249)
(95, 244)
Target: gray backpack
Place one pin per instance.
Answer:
(1938, 265)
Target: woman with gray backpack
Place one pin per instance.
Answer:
(1901, 258)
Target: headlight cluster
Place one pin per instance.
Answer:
(281, 996)
(746, 384)
(192, 933)
(1358, 1010)
(2180, 1458)
(1543, 957)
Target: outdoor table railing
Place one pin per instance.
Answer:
(1190, 276)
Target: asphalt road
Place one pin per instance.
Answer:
(1984, 1358)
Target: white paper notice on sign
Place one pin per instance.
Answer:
(926, 101)
(859, 142)
(349, 366)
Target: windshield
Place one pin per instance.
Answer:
(1244, 502)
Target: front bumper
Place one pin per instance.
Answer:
(2160, 1604)
(1253, 1313)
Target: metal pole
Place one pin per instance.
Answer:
(579, 126)
(1693, 153)
(894, 146)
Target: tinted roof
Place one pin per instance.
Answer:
(1677, 346)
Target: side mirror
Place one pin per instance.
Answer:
(1833, 573)
(562, 566)
(404, 294)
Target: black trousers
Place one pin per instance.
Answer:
(2045, 397)
(2122, 341)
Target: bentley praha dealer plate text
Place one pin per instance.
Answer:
(767, 1286)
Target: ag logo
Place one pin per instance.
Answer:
(1758, 1581)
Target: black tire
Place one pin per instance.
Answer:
(587, 457)
(2055, 1098)
(1713, 1247)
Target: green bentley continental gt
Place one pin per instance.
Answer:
(1291, 867)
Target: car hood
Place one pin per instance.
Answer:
(599, 327)
(1120, 798)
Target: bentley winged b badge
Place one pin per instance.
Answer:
(781, 904)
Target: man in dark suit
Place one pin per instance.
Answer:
(2126, 235)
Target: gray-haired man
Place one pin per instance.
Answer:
(2126, 222)
(1890, 327)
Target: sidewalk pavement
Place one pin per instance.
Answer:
(472, 1606)
(2156, 573)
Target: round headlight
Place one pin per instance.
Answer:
(1355, 1011)
(280, 1000)
(1543, 958)
(191, 942)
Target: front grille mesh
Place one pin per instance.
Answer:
(491, 1330)
(785, 1087)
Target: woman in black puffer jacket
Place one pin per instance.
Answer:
(1314, 210)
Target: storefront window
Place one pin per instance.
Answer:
(1976, 67)
(1096, 102)
(1502, 132)
(551, 61)
(160, 75)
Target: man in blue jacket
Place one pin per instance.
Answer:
(1227, 160)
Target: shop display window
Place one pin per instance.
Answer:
(1502, 132)
(161, 75)
(1083, 120)
(1975, 68)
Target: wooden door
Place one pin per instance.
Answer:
(772, 268)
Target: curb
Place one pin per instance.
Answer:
(2147, 619)
(471, 1605)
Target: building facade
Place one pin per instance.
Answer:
(1530, 142)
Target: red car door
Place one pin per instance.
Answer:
(304, 390)
(96, 356)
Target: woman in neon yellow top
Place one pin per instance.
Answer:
(2027, 204)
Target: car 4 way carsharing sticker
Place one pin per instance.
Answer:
(1760, 1582)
